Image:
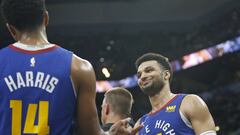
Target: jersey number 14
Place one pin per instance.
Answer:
(29, 128)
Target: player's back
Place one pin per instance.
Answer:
(36, 92)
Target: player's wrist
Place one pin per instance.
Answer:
(210, 132)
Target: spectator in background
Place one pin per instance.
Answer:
(116, 105)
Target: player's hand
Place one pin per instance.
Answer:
(122, 127)
(135, 130)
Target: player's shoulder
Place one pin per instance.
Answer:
(192, 98)
(80, 63)
(82, 73)
(192, 104)
(81, 69)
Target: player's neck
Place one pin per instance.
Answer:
(160, 99)
(34, 38)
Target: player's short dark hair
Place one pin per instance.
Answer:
(24, 15)
(162, 60)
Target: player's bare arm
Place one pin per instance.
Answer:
(197, 112)
(84, 80)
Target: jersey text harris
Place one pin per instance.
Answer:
(29, 79)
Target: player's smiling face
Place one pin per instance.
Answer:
(150, 77)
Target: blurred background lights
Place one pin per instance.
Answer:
(106, 72)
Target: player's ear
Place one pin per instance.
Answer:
(13, 31)
(46, 18)
(167, 75)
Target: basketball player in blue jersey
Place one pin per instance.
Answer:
(171, 114)
(43, 86)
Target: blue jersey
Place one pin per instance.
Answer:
(166, 121)
(36, 92)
